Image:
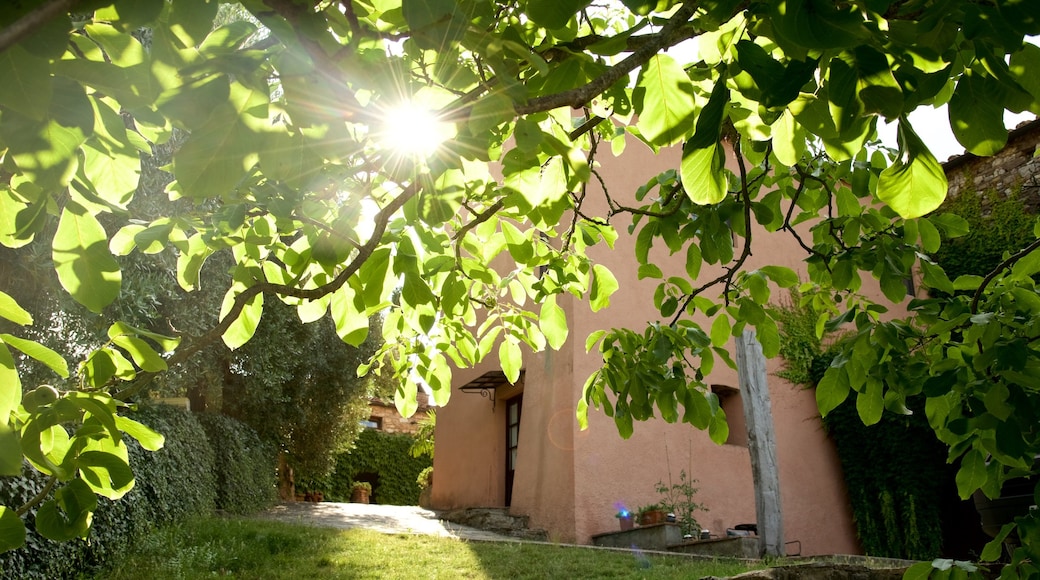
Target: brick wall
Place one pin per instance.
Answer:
(392, 421)
(1015, 166)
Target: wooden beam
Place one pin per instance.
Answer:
(758, 415)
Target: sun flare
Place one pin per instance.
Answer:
(413, 130)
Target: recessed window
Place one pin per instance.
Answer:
(373, 423)
(729, 400)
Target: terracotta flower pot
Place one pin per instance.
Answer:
(652, 517)
(626, 523)
(359, 496)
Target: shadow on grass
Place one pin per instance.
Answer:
(240, 548)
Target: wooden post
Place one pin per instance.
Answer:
(754, 392)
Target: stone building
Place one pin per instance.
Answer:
(383, 416)
(1016, 166)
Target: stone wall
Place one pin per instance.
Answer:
(392, 421)
(1014, 167)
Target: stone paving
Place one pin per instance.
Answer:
(387, 519)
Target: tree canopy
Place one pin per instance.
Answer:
(285, 150)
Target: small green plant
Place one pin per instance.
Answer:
(678, 498)
(425, 478)
(654, 507)
(362, 485)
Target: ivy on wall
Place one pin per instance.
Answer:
(895, 483)
(383, 460)
(999, 222)
(172, 484)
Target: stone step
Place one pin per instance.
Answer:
(497, 520)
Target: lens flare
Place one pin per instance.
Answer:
(413, 130)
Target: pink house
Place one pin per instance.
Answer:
(520, 445)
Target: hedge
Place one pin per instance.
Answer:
(383, 455)
(172, 484)
(245, 467)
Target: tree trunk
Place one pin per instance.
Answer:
(751, 372)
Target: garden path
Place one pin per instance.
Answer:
(387, 519)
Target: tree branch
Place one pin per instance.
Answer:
(28, 24)
(996, 271)
(670, 34)
(38, 498)
(364, 252)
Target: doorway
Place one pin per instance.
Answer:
(514, 407)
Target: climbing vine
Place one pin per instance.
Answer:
(895, 484)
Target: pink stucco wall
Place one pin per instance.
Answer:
(569, 481)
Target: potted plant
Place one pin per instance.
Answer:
(652, 514)
(625, 518)
(360, 492)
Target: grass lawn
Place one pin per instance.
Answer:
(241, 548)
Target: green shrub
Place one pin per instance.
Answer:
(172, 484)
(245, 467)
(386, 456)
(180, 481)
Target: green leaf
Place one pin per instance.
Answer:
(553, 322)
(406, 399)
(721, 330)
(351, 324)
(45, 153)
(107, 474)
(434, 24)
(86, 268)
(703, 174)
(593, 338)
(780, 275)
(216, 156)
(53, 360)
(143, 355)
(711, 117)
(977, 114)
(553, 14)
(650, 271)
(930, 238)
(130, 14)
(818, 24)
(144, 434)
(788, 139)
(490, 112)
(972, 473)
(12, 530)
(663, 99)
(604, 284)
(27, 83)
(244, 326)
(953, 225)
(832, 390)
(935, 277)
(511, 359)
(693, 261)
(871, 403)
(718, 428)
(1027, 265)
(919, 571)
(995, 547)
(915, 184)
(10, 309)
(10, 451)
(68, 514)
(168, 343)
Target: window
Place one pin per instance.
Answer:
(373, 423)
(729, 400)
